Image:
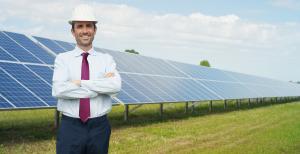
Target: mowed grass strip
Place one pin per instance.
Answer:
(263, 129)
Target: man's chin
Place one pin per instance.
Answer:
(86, 43)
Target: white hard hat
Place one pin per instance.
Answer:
(83, 12)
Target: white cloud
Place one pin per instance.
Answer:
(129, 22)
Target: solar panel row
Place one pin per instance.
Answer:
(19, 82)
(26, 67)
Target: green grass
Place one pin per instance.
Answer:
(264, 128)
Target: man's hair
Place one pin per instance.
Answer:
(73, 25)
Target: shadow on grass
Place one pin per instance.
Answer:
(19, 132)
(25, 130)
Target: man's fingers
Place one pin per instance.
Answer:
(108, 75)
(77, 82)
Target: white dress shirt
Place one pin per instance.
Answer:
(67, 67)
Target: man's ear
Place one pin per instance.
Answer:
(72, 31)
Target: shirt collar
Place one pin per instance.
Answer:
(77, 51)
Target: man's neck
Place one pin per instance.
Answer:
(85, 48)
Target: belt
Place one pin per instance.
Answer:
(101, 118)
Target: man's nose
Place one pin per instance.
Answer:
(85, 29)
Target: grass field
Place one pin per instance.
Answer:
(264, 128)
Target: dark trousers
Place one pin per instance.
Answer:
(91, 137)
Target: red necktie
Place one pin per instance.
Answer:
(84, 107)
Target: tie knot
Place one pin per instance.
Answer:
(85, 54)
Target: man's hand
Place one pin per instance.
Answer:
(77, 82)
(109, 75)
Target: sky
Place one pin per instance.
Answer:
(258, 37)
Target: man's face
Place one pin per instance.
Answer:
(84, 32)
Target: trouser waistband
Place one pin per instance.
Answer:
(101, 118)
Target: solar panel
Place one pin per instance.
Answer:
(163, 94)
(266, 87)
(288, 89)
(5, 104)
(134, 94)
(153, 89)
(144, 65)
(32, 47)
(50, 44)
(229, 90)
(201, 72)
(216, 81)
(44, 72)
(16, 93)
(5, 55)
(152, 96)
(65, 45)
(263, 90)
(16, 50)
(31, 81)
(240, 77)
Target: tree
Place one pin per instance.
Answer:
(204, 63)
(132, 51)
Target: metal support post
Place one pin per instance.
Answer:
(237, 103)
(280, 99)
(56, 118)
(193, 107)
(225, 104)
(161, 108)
(210, 106)
(249, 102)
(260, 100)
(186, 107)
(126, 112)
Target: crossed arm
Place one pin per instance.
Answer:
(108, 75)
(64, 88)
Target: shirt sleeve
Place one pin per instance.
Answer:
(62, 87)
(110, 86)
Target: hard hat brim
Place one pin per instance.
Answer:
(72, 21)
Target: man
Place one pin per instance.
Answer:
(83, 81)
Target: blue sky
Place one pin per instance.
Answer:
(254, 37)
(256, 10)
